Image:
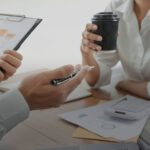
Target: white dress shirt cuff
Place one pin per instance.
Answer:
(148, 88)
(104, 77)
(105, 61)
(13, 110)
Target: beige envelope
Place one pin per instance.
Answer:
(85, 134)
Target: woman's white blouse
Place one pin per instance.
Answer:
(133, 46)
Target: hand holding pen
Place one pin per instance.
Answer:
(41, 94)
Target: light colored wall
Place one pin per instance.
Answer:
(57, 40)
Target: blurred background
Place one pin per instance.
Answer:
(56, 41)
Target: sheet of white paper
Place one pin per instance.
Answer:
(94, 119)
(80, 92)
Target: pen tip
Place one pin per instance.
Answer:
(91, 68)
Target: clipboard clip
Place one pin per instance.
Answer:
(13, 17)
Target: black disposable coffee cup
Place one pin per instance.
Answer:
(107, 23)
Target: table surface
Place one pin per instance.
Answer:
(45, 129)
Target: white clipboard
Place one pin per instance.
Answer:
(14, 29)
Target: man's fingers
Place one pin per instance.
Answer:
(59, 73)
(1, 76)
(14, 53)
(11, 60)
(70, 85)
(77, 67)
(91, 27)
(10, 70)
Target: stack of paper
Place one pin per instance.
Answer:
(95, 120)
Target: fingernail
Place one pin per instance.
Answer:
(99, 38)
(95, 27)
(99, 48)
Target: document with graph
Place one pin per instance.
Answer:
(95, 120)
(14, 29)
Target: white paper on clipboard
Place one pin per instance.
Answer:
(14, 29)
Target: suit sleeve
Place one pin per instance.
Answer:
(148, 88)
(13, 110)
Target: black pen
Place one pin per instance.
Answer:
(60, 81)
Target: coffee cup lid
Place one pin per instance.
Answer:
(105, 16)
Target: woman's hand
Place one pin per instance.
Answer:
(88, 45)
(124, 85)
(134, 87)
(10, 61)
(88, 38)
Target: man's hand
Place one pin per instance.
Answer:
(10, 61)
(40, 94)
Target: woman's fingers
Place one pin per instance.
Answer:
(91, 36)
(91, 45)
(91, 27)
(88, 44)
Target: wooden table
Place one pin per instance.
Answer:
(45, 129)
